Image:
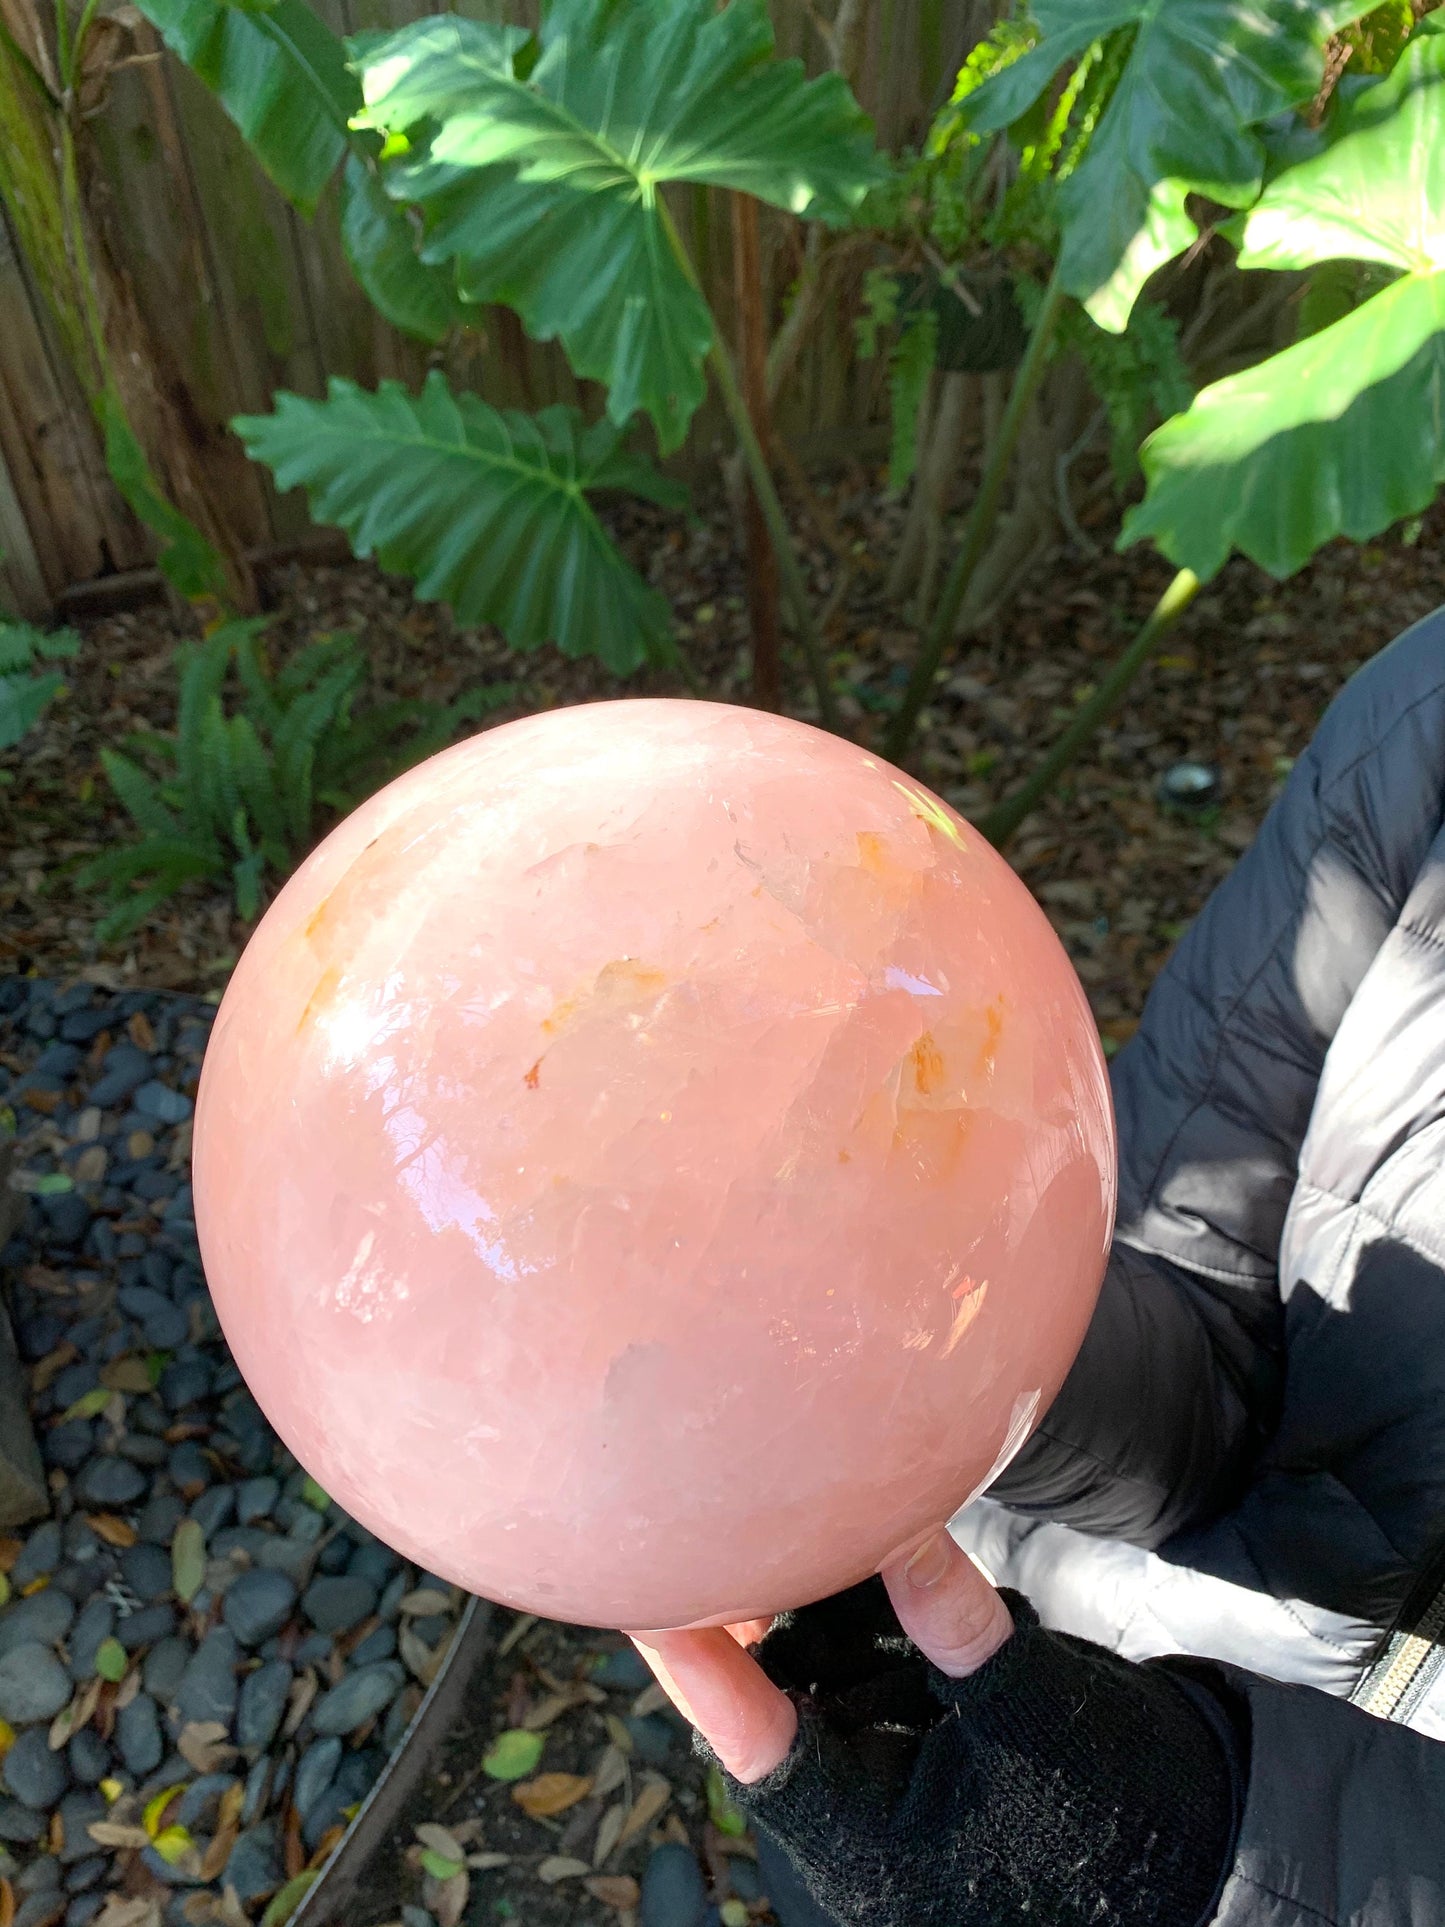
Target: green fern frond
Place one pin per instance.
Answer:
(138, 794)
(908, 372)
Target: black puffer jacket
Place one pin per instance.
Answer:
(1248, 1461)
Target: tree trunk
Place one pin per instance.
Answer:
(112, 347)
(753, 366)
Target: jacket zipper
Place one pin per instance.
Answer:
(1412, 1655)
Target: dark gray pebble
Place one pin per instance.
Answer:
(258, 1789)
(138, 1736)
(145, 1627)
(108, 1481)
(359, 1696)
(208, 1686)
(159, 1101)
(374, 1562)
(652, 1737)
(74, 1382)
(255, 1500)
(150, 1416)
(78, 1812)
(165, 1662)
(189, 1467)
(124, 1068)
(623, 1671)
(20, 1824)
(254, 1867)
(79, 1539)
(33, 1773)
(314, 1773)
(279, 1553)
(139, 1301)
(161, 1516)
(185, 1383)
(41, 1876)
(201, 1799)
(674, 1893)
(86, 1873)
(33, 1684)
(58, 1060)
(84, 1026)
(167, 1329)
(303, 1523)
(141, 1449)
(84, 1909)
(40, 1910)
(95, 1623)
(431, 1628)
(68, 1446)
(334, 1555)
(213, 1509)
(146, 1569)
(743, 1876)
(38, 1335)
(41, 1554)
(89, 1757)
(380, 1644)
(258, 1604)
(69, 1216)
(314, 1650)
(44, 1616)
(397, 1588)
(262, 1703)
(335, 1605)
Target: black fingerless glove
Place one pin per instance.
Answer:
(1058, 1785)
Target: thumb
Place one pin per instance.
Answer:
(946, 1606)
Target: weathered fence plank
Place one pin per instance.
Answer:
(246, 298)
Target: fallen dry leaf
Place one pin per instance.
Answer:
(614, 1889)
(120, 1912)
(141, 1034)
(7, 1903)
(518, 1630)
(651, 1699)
(652, 1797)
(204, 1746)
(114, 1531)
(55, 1361)
(618, 1733)
(419, 1658)
(485, 1862)
(610, 1771)
(555, 1705)
(303, 1690)
(424, 1602)
(70, 1719)
(109, 1833)
(440, 1840)
(561, 1866)
(551, 1793)
(609, 1833)
(447, 1899)
(128, 1373)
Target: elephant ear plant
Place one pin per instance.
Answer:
(480, 164)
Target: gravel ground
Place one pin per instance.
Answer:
(203, 1661)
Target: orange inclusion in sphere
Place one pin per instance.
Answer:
(653, 1161)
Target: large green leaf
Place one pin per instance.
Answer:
(281, 75)
(1341, 434)
(22, 701)
(487, 511)
(1199, 78)
(416, 296)
(544, 190)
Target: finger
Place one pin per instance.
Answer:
(946, 1606)
(749, 1632)
(712, 1681)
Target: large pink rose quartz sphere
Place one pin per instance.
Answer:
(653, 1162)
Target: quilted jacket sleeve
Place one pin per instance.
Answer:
(1342, 1822)
(1178, 1380)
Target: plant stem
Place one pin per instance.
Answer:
(762, 585)
(999, 825)
(760, 475)
(981, 518)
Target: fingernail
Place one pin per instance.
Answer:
(929, 1564)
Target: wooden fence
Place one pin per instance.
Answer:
(245, 297)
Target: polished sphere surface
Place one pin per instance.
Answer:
(654, 1161)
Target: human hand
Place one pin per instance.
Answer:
(943, 1603)
(928, 1755)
